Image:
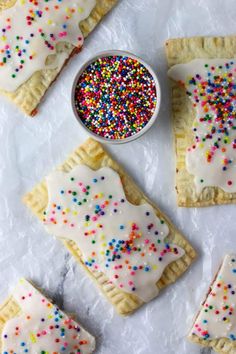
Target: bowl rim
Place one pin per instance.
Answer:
(107, 53)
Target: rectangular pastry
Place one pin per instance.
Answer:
(127, 245)
(204, 118)
(30, 323)
(215, 324)
(37, 40)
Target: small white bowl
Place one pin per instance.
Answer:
(158, 94)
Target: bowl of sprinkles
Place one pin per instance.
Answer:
(116, 97)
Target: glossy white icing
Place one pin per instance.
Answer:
(42, 328)
(124, 241)
(217, 318)
(30, 32)
(211, 86)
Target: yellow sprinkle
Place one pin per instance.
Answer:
(33, 338)
(75, 212)
(80, 10)
(67, 210)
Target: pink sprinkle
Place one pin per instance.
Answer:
(62, 34)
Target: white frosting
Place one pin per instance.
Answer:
(124, 241)
(41, 328)
(216, 131)
(217, 318)
(21, 29)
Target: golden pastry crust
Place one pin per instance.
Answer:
(6, 4)
(92, 154)
(29, 95)
(183, 50)
(8, 310)
(221, 345)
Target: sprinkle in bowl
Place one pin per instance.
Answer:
(116, 97)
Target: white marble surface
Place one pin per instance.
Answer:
(30, 148)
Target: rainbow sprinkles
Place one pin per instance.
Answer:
(211, 86)
(125, 242)
(116, 97)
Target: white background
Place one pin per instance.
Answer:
(30, 148)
